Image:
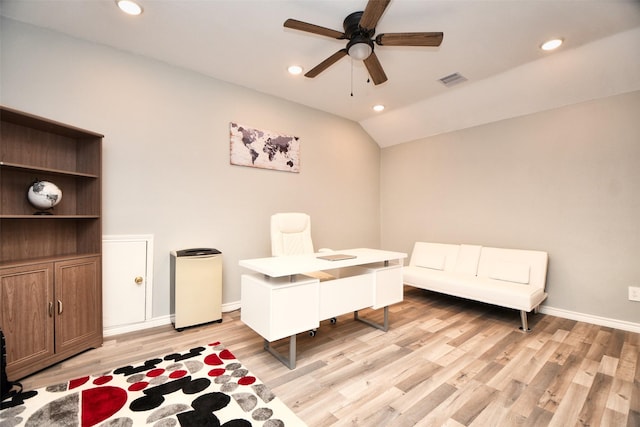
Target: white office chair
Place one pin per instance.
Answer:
(291, 234)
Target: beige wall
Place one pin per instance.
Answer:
(166, 152)
(566, 181)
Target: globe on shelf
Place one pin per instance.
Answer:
(44, 195)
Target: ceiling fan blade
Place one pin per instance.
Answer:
(315, 29)
(372, 13)
(375, 69)
(410, 39)
(326, 63)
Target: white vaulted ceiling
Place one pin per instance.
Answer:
(493, 43)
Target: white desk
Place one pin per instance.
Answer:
(279, 300)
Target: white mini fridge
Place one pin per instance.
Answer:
(196, 287)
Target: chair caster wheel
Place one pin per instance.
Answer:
(333, 320)
(312, 333)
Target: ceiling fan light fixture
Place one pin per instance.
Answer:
(129, 7)
(360, 48)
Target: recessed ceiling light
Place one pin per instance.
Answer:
(129, 6)
(551, 44)
(378, 107)
(295, 70)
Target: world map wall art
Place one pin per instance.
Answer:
(264, 149)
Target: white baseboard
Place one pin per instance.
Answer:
(559, 312)
(132, 327)
(155, 322)
(589, 318)
(231, 306)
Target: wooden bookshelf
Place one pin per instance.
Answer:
(45, 257)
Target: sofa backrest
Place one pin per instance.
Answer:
(461, 259)
(436, 256)
(510, 265)
(468, 258)
(514, 265)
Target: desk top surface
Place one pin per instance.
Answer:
(298, 264)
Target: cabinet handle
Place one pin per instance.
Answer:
(50, 309)
(138, 280)
(59, 307)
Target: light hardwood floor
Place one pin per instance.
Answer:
(444, 362)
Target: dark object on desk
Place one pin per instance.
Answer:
(336, 257)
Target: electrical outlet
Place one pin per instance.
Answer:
(634, 293)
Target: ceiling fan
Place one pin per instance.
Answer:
(359, 29)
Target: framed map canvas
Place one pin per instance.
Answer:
(264, 149)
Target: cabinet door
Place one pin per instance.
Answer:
(78, 303)
(123, 299)
(26, 317)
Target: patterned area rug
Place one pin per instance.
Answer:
(204, 386)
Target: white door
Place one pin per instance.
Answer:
(124, 281)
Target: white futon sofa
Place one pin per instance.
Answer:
(511, 278)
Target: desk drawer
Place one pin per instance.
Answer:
(346, 294)
(277, 308)
(388, 285)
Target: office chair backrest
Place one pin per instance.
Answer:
(291, 234)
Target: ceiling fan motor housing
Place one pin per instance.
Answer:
(355, 33)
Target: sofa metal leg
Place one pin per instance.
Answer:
(525, 323)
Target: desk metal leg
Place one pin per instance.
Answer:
(289, 363)
(383, 327)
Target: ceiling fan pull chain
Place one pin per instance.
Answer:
(352, 77)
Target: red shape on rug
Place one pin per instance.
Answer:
(102, 380)
(155, 372)
(212, 359)
(140, 385)
(178, 374)
(217, 372)
(77, 382)
(227, 355)
(98, 404)
(246, 380)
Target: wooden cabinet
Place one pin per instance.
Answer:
(77, 300)
(26, 298)
(50, 265)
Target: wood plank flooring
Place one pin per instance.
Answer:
(444, 362)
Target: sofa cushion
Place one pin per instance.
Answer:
(468, 258)
(498, 292)
(423, 252)
(509, 294)
(510, 272)
(432, 261)
(536, 260)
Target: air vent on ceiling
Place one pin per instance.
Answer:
(453, 79)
